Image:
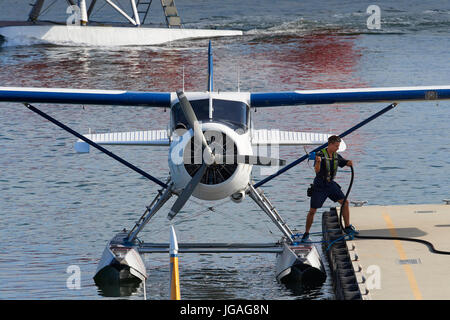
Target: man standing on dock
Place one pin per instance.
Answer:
(325, 165)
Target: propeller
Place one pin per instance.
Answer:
(209, 158)
(199, 137)
(187, 192)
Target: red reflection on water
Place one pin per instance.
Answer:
(287, 62)
(127, 69)
(313, 61)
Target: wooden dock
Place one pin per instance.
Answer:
(402, 270)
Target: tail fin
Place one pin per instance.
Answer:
(210, 68)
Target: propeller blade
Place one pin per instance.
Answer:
(199, 137)
(187, 192)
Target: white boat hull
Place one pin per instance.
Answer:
(103, 35)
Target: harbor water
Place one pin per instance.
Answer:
(58, 209)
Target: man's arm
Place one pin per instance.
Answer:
(317, 163)
(344, 162)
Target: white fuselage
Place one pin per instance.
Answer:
(181, 139)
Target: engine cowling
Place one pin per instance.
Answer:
(220, 179)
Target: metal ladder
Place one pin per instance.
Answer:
(261, 200)
(160, 199)
(142, 9)
(171, 13)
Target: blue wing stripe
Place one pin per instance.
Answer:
(100, 97)
(271, 99)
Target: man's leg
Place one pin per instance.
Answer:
(310, 219)
(345, 211)
(318, 197)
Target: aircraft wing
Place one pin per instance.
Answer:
(260, 99)
(135, 138)
(291, 138)
(357, 95)
(83, 96)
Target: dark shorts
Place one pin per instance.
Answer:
(323, 190)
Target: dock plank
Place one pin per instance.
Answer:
(407, 270)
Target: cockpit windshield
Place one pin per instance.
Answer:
(232, 113)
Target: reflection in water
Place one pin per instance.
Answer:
(122, 290)
(306, 293)
(210, 282)
(313, 61)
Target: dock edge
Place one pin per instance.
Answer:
(346, 272)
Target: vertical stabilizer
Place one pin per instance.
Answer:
(210, 68)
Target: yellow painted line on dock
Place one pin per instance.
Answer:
(401, 252)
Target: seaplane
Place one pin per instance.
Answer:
(211, 140)
(80, 28)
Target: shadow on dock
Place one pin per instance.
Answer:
(401, 232)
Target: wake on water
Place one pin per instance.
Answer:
(352, 23)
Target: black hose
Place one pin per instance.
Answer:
(428, 244)
(346, 196)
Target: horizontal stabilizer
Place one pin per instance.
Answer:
(291, 138)
(135, 138)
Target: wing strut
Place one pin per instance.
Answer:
(296, 162)
(92, 143)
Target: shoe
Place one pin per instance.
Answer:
(350, 230)
(305, 238)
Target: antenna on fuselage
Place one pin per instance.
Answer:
(210, 68)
